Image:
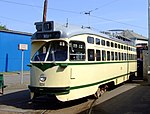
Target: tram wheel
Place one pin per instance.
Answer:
(97, 94)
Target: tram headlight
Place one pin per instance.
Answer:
(42, 78)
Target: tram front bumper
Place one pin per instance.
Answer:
(49, 90)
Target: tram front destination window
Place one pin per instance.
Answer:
(52, 51)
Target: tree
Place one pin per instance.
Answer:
(3, 27)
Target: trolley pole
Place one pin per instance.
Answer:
(148, 41)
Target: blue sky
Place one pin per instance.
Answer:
(20, 15)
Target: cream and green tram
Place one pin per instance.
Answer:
(72, 62)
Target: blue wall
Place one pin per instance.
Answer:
(10, 56)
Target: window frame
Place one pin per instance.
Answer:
(93, 54)
(103, 55)
(103, 43)
(98, 58)
(90, 40)
(97, 41)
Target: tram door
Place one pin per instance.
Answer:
(140, 49)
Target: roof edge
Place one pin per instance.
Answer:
(16, 32)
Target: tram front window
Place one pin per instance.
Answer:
(52, 51)
(41, 53)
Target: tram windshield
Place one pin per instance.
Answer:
(52, 51)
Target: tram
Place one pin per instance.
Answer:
(72, 62)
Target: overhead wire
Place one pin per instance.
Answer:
(29, 5)
(118, 22)
(16, 20)
(106, 4)
(74, 12)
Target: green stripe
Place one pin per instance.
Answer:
(88, 63)
(96, 83)
(45, 66)
(92, 84)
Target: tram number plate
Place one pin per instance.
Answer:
(42, 84)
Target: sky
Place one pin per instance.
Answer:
(20, 15)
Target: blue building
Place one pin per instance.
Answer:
(10, 55)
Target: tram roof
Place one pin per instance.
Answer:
(73, 30)
(68, 31)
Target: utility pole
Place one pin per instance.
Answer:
(45, 10)
(149, 41)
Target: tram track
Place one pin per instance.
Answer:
(92, 104)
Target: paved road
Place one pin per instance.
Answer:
(135, 100)
(12, 81)
(130, 98)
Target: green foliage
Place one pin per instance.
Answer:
(3, 27)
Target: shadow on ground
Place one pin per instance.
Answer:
(21, 99)
(133, 101)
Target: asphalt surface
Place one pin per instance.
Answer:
(135, 100)
(129, 98)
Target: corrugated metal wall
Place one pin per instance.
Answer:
(10, 56)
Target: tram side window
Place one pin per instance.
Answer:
(112, 44)
(90, 40)
(130, 57)
(77, 51)
(97, 41)
(91, 55)
(115, 45)
(119, 46)
(116, 56)
(98, 55)
(112, 55)
(108, 43)
(125, 56)
(103, 55)
(124, 47)
(103, 42)
(108, 55)
(129, 48)
(119, 56)
(122, 56)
